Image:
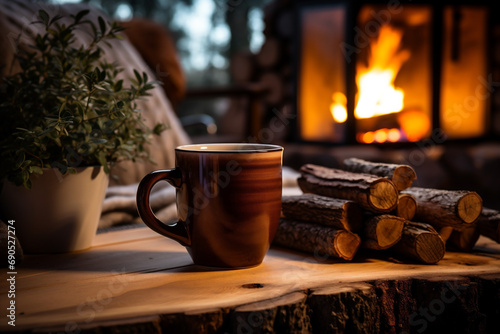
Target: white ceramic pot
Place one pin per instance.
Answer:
(59, 213)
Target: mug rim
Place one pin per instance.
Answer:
(229, 148)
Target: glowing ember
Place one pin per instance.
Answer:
(393, 135)
(414, 124)
(338, 107)
(380, 136)
(377, 94)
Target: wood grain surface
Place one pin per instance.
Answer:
(137, 277)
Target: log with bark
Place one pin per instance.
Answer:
(339, 213)
(382, 231)
(285, 314)
(401, 175)
(203, 321)
(345, 308)
(456, 208)
(489, 224)
(407, 206)
(465, 239)
(317, 239)
(445, 232)
(376, 194)
(420, 242)
(395, 303)
(462, 305)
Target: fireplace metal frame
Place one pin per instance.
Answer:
(352, 10)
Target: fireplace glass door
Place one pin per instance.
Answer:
(382, 73)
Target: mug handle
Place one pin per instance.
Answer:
(178, 231)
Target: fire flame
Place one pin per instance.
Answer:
(338, 108)
(377, 94)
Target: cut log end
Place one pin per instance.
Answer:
(407, 206)
(382, 231)
(439, 207)
(317, 239)
(347, 245)
(403, 177)
(421, 242)
(389, 231)
(430, 248)
(383, 195)
(469, 207)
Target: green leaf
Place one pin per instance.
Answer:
(148, 87)
(80, 109)
(27, 184)
(44, 16)
(57, 140)
(94, 29)
(55, 19)
(36, 170)
(81, 14)
(102, 25)
(99, 140)
(138, 76)
(159, 128)
(101, 157)
(118, 86)
(102, 75)
(96, 74)
(19, 159)
(101, 102)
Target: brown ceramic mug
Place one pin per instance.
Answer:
(228, 201)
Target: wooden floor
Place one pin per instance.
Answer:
(137, 279)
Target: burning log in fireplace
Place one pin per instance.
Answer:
(373, 83)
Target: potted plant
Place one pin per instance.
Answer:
(66, 117)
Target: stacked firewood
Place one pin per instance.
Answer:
(374, 206)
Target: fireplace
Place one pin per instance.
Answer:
(394, 72)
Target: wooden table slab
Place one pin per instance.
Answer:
(136, 278)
